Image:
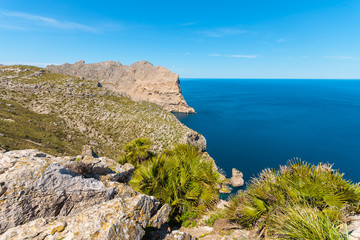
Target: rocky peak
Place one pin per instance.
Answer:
(141, 81)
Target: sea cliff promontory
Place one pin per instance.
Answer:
(141, 81)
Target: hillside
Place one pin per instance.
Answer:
(59, 113)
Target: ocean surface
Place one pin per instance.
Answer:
(253, 124)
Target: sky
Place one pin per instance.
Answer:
(197, 39)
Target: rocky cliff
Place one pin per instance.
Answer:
(59, 113)
(140, 81)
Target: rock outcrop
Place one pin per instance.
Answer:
(46, 197)
(140, 81)
(237, 178)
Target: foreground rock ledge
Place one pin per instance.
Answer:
(46, 197)
(140, 81)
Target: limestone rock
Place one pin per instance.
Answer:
(88, 151)
(36, 185)
(161, 216)
(178, 235)
(237, 178)
(140, 81)
(196, 139)
(111, 220)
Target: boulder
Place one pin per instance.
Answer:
(37, 188)
(88, 151)
(111, 220)
(160, 217)
(237, 178)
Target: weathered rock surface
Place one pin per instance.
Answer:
(115, 219)
(237, 178)
(140, 81)
(46, 197)
(161, 216)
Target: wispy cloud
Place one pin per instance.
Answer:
(243, 56)
(222, 32)
(281, 40)
(342, 57)
(46, 21)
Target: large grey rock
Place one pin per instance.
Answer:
(36, 185)
(115, 219)
(140, 81)
(237, 178)
(196, 139)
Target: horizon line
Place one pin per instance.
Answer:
(271, 78)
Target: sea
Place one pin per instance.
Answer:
(253, 124)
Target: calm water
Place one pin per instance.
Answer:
(255, 124)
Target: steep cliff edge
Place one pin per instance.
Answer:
(140, 81)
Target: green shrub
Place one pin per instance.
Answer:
(304, 222)
(182, 178)
(136, 151)
(297, 184)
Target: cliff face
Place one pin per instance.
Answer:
(140, 81)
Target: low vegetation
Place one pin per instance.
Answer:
(182, 178)
(314, 200)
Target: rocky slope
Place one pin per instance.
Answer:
(140, 81)
(46, 197)
(59, 113)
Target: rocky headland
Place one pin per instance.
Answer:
(140, 81)
(59, 113)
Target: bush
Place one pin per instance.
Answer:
(297, 184)
(136, 151)
(304, 222)
(182, 178)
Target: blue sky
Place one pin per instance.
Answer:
(217, 39)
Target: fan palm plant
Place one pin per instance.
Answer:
(301, 184)
(180, 177)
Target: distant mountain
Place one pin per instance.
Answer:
(140, 81)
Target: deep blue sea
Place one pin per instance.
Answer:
(252, 124)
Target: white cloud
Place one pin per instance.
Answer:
(243, 56)
(222, 32)
(342, 57)
(281, 40)
(41, 20)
